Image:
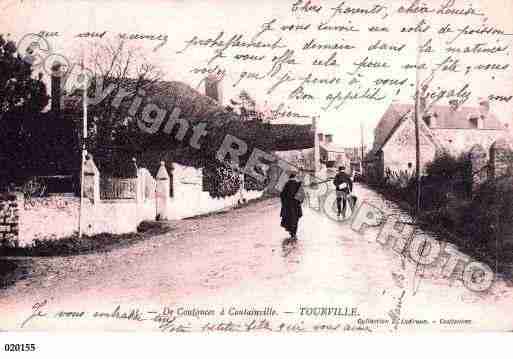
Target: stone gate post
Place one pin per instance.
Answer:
(91, 180)
(162, 192)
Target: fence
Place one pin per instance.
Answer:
(118, 188)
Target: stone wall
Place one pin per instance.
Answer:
(110, 216)
(58, 217)
(146, 195)
(300, 159)
(9, 220)
(189, 199)
(458, 141)
(22, 221)
(115, 216)
(501, 158)
(48, 218)
(55, 217)
(399, 151)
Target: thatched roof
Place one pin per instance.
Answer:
(197, 108)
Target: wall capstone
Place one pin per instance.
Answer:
(162, 191)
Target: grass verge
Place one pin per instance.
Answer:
(73, 245)
(439, 222)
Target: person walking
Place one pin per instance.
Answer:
(291, 197)
(343, 187)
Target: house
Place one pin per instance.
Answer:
(354, 154)
(444, 128)
(302, 160)
(331, 154)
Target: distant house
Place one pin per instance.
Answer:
(331, 154)
(302, 160)
(452, 128)
(354, 154)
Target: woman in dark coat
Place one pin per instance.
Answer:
(291, 197)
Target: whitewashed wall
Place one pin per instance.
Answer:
(112, 216)
(146, 196)
(43, 218)
(58, 217)
(189, 200)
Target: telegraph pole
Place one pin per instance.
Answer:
(84, 154)
(361, 140)
(317, 155)
(417, 115)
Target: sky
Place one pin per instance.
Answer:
(180, 20)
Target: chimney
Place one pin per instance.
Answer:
(321, 137)
(454, 104)
(484, 110)
(484, 107)
(56, 87)
(213, 88)
(329, 138)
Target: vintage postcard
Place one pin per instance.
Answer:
(270, 167)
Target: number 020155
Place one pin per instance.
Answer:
(19, 347)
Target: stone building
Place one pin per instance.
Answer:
(331, 154)
(301, 160)
(449, 128)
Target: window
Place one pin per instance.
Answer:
(410, 165)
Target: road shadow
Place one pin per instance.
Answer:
(12, 270)
(288, 246)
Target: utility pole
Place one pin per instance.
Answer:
(417, 115)
(361, 140)
(317, 155)
(417, 156)
(84, 153)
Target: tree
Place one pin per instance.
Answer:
(124, 68)
(247, 100)
(19, 92)
(114, 131)
(247, 105)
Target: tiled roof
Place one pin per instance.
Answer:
(448, 118)
(444, 118)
